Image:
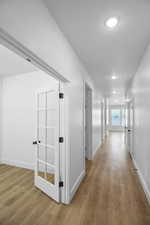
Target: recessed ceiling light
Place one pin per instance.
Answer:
(114, 77)
(111, 22)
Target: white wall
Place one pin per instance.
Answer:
(140, 92)
(19, 116)
(31, 24)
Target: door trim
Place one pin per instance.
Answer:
(64, 149)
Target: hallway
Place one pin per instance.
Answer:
(114, 195)
(109, 195)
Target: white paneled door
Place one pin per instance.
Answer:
(47, 171)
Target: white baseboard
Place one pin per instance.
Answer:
(17, 164)
(142, 180)
(77, 184)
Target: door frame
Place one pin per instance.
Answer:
(12, 44)
(65, 148)
(130, 127)
(102, 122)
(86, 88)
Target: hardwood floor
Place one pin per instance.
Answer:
(109, 195)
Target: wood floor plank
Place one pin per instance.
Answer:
(110, 194)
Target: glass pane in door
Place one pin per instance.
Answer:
(47, 134)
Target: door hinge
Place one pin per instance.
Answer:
(61, 183)
(61, 95)
(61, 139)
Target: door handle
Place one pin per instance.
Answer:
(129, 130)
(36, 142)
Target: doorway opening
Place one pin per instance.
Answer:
(88, 121)
(32, 119)
(130, 126)
(117, 118)
(104, 122)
